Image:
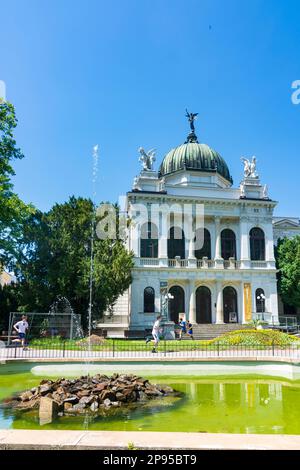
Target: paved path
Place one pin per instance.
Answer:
(106, 440)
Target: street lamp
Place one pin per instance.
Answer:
(261, 298)
(166, 299)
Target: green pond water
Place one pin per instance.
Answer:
(231, 404)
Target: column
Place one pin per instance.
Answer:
(192, 258)
(163, 240)
(189, 230)
(272, 301)
(192, 306)
(192, 248)
(135, 240)
(245, 248)
(269, 241)
(218, 257)
(219, 310)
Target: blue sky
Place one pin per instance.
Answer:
(122, 73)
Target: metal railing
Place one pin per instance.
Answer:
(129, 349)
(287, 324)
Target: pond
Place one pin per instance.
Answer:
(215, 404)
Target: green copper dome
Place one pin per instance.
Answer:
(194, 156)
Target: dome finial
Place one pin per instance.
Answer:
(191, 118)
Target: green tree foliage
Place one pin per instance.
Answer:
(13, 212)
(288, 263)
(8, 303)
(55, 259)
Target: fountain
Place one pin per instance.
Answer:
(93, 223)
(62, 305)
(62, 302)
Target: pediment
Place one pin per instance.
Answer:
(286, 223)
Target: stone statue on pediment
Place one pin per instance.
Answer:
(249, 167)
(147, 158)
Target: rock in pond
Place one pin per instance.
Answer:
(88, 394)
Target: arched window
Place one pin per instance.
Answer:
(230, 305)
(228, 244)
(176, 243)
(203, 305)
(260, 300)
(257, 244)
(149, 300)
(176, 305)
(149, 240)
(202, 238)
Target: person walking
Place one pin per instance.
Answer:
(21, 327)
(155, 334)
(182, 324)
(190, 330)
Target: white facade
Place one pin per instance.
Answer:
(188, 191)
(223, 209)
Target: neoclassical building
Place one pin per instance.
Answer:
(196, 237)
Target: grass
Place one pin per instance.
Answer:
(239, 338)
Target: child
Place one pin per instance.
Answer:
(182, 324)
(190, 330)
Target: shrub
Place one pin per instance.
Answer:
(255, 338)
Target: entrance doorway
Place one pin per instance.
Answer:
(177, 304)
(230, 305)
(203, 305)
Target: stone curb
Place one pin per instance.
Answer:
(116, 440)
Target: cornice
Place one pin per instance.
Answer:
(164, 197)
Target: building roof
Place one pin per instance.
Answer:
(196, 157)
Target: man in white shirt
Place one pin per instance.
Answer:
(21, 327)
(155, 333)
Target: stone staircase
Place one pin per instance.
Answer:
(209, 330)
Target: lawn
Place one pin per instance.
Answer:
(259, 339)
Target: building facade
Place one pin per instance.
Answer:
(286, 227)
(196, 237)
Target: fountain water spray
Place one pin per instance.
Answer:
(62, 305)
(94, 180)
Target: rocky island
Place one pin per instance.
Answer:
(87, 394)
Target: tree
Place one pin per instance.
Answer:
(13, 212)
(8, 303)
(288, 263)
(54, 259)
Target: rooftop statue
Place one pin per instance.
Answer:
(249, 167)
(191, 117)
(147, 158)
